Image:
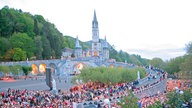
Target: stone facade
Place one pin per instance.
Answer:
(98, 49)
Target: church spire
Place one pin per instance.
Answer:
(95, 29)
(94, 22)
(95, 17)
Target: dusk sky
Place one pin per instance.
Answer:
(150, 28)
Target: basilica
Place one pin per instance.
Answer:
(99, 49)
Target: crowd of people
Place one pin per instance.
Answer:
(90, 91)
(149, 100)
(181, 84)
(161, 97)
(86, 92)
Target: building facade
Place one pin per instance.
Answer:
(98, 49)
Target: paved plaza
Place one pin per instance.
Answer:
(33, 84)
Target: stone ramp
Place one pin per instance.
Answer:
(152, 90)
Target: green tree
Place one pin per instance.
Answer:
(110, 75)
(15, 21)
(176, 100)
(123, 55)
(46, 48)
(19, 55)
(134, 59)
(15, 69)
(186, 68)
(69, 42)
(23, 41)
(9, 55)
(54, 38)
(26, 70)
(5, 69)
(27, 19)
(39, 47)
(173, 65)
(157, 62)
(189, 48)
(5, 46)
(36, 27)
(6, 22)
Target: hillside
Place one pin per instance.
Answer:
(23, 35)
(26, 36)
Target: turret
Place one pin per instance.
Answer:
(77, 45)
(78, 49)
(105, 49)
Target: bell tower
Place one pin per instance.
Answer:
(95, 29)
(105, 50)
(96, 45)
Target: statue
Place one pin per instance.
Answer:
(54, 88)
(50, 81)
(138, 75)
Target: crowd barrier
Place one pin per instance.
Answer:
(152, 90)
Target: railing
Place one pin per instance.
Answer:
(32, 61)
(151, 90)
(155, 88)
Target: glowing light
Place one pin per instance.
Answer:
(42, 68)
(80, 66)
(34, 69)
(95, 54)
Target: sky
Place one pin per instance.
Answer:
(150, 28)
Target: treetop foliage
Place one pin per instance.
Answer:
(189, 48)
(19, 29)
(177, 100)
(110, 75)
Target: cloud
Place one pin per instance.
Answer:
(164, 54)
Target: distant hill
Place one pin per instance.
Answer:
(23, 35)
